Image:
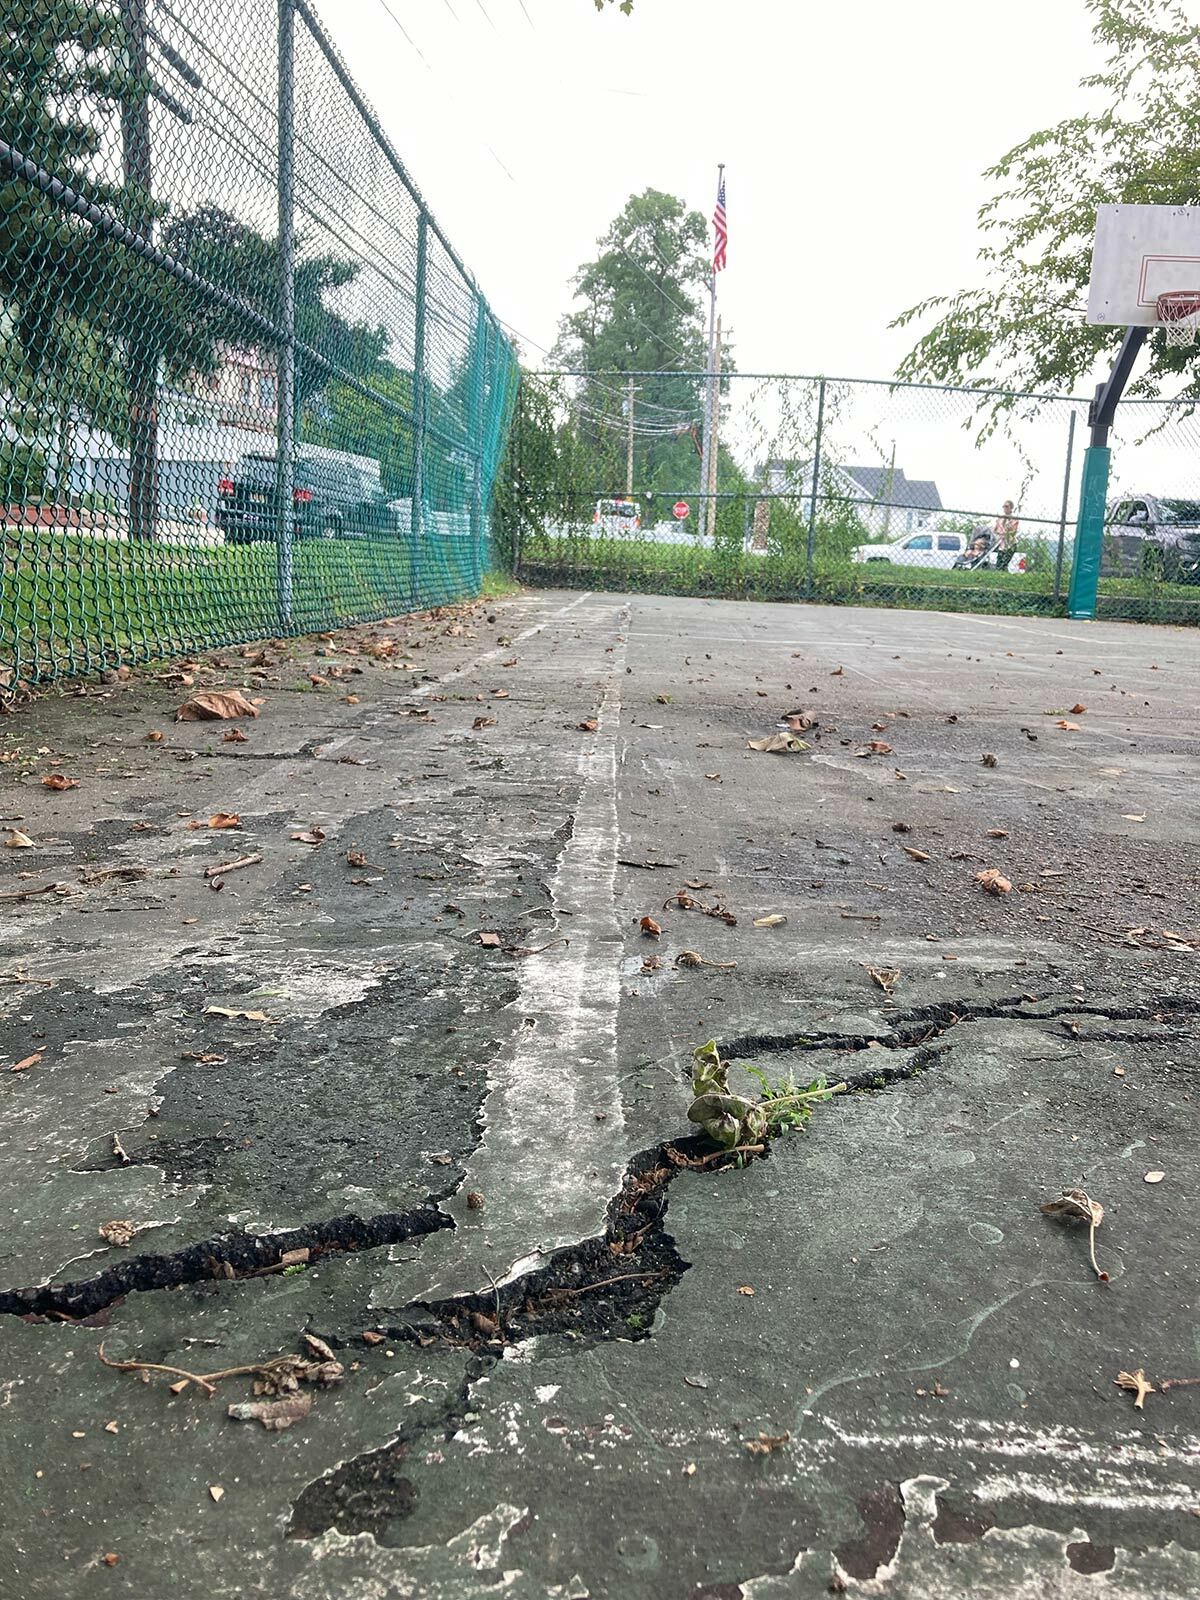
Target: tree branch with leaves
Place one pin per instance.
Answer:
(1025, 327)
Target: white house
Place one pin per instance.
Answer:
(887, 502)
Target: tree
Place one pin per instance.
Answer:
(1024, 327)
(642, 311)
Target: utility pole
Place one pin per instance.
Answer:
(706, 458)
(629, 440)
(710, 505)
(140, 344)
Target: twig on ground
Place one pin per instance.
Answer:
(624, 1277)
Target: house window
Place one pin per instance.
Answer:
(245, 390)
(266, 393)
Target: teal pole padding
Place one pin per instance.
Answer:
(1089, 533)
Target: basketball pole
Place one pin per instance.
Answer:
(1093, 486)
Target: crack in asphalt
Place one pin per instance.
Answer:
(914, 1031)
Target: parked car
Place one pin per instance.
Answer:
(335, 495)
(612, 518)
(923, 549)
(1153, 537)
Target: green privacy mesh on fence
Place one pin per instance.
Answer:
(846, 491)
(247, 386)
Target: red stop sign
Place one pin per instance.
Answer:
(681, 509)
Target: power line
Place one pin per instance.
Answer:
(405, 32)
(484, 9)
(525, 9)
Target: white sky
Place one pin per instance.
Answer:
(854, 137)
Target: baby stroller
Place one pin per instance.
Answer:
(985, 552)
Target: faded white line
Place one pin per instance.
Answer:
(554, 1146)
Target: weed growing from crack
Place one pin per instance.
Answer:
(740, 1125)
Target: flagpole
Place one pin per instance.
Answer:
(706, 458)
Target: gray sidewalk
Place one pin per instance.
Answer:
(549, 1387)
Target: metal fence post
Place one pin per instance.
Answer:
(816, 480)
(285, 426)
(420, 399)
(1062, 519)
(478, 371)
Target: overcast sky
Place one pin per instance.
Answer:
(854, 138)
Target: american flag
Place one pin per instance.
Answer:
(720, 229)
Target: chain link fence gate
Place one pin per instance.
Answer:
(248, 386)
(842, 491)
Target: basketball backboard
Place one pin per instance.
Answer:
(1140, 253)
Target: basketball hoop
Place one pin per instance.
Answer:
(1179, 315)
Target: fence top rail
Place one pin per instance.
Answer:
(820, 377)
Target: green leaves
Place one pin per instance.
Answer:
(734, 1121)
(1023, 327)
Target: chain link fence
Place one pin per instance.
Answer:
(845, 491)
(248, 386)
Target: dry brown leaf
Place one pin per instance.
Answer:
(1136, 1381)
(652, 964)
(154, 736)
(775, 919)
(799, 721)
(219, 819)
(491, 941)
(1078, 710)
(744, 1288)
(216, 705)
(917, 855)
(275, 1415)
(369, 1336)
(483, 722)
(778, 744)
(650, 928)
(231, 1011)
(885, 977)
(1132, 816)
(993, 881)
(997, 833)
(319, 1347)
(17, 840)
(766, 1442)
(234, 736)
(1076, 1205)
(693, 958)
(588, 725)
(27, 1061)
(1067, 727)
(475, 1200)
(310, 836)
(119, 1231)
(56, 781)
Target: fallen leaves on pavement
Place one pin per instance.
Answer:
(309, 836)
(17, 840)
(693, 958)
(917, 855)
(778, 744)
(219, 819)
(232, 1011)
(1075, 1205)
(56, 781)
(234, 736)
(877, 747)
(119, 1231)
(1136, 1382)
(993, 881)
(588, 725)
(491, 941)
(650, 928)
(885, 977)
(766, 1443)
(216, 705)
(774, 919)
(27, 1061)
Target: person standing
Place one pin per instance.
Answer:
(1005, 527)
